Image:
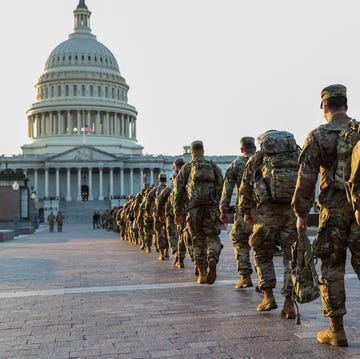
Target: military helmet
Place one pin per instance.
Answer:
(162, 177)
(336, 90)
(196, 145)
(247, 142)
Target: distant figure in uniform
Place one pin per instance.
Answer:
(198, 184)
(59, 221)
(240, 231)
(338, 228)
(51, 220)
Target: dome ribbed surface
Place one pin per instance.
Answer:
(82, 50)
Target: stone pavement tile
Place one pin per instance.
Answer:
(92, 318)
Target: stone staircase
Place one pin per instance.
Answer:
(81, 212)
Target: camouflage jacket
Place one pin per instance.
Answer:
(151, 199)
(182, 181)
(319, 155)
(246, 199)
(162, 200)
(232, 179)
(354, 182)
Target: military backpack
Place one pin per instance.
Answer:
(303, 272)
(201, 182)
(277, 174)
(347, 140)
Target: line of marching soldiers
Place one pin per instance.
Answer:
(147, 219)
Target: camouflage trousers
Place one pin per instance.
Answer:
(338, 230)
(240, 233)
(160, 234)
(203, 224)
(149, 231)
(171, 233)
(272, 220)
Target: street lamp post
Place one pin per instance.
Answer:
(15, 187)
(33, 211)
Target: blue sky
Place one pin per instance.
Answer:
(214, 70)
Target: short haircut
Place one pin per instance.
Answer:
(334, 103)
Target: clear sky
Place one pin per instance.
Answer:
(214, 70)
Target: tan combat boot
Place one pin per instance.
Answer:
(148, 249)
(161, 256)
(335, 334)
(288, 311)
(244, 282)
(201, 275)
(268, 302)
(166, 253)
(211, 276)
(176, 258)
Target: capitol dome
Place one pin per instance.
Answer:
(81, 96)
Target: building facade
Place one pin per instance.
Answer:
(82, 130)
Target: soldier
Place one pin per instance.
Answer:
(240, 231)
(138, 219)
(269, 191)
(120, 222)
(51, 220)
(354, 181)
(165, 215)
(59, 221)
(338, 229)
(199, 184)
(159, 228)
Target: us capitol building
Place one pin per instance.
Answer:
(82, 130)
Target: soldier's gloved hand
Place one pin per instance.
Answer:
(162, 219)
(248, 219)
(357, 216)
(301, 224)
(178, 220)
(224, 217)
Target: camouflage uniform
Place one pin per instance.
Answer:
(338, 229)
(271, 219)
(138, 218)
(354, 182)
(202, 219)
(159, 228)
(120, 222)
(146, 222)
(59, 219)
(240, 231)
(51, 220)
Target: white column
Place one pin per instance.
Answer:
(108, 125)
(50, 124)
(101, 192)
(116, 119)
(121, 182)
(122, 125)
(141, 177)
(79, 184)
(131, 181)
(111, 183)
(57, 175)
(97, 123)
(59, 127)
(78, 124)
(36, 181)
(46, 180)
(68, 188)
(43, 130)
(134, 128)
(88, 121)
(69, 123)
(91, 198)
(151, 176)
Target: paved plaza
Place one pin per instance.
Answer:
(86, 294)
